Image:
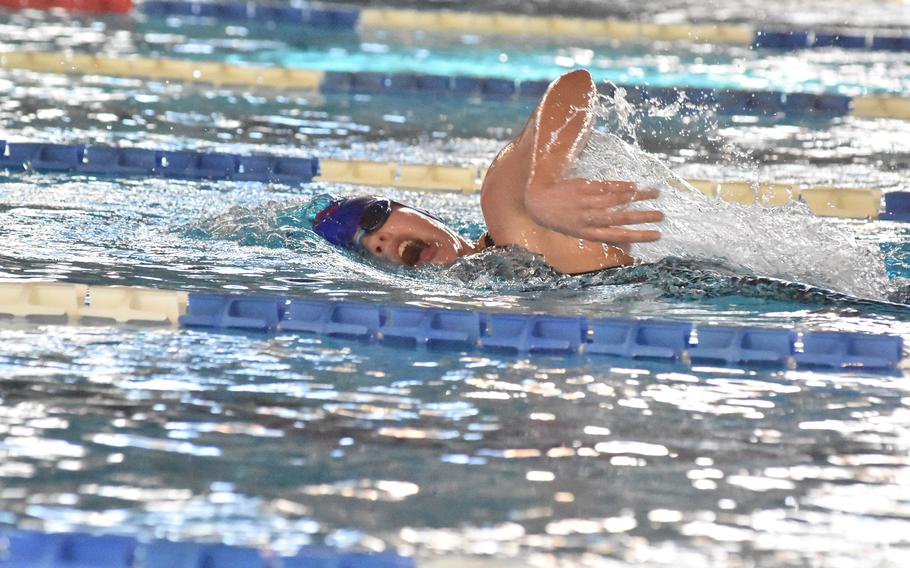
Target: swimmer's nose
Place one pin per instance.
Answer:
(378, 244)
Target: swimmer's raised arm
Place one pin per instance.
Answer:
(580, 208)
(526, 201)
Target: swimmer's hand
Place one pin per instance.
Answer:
(593, 210)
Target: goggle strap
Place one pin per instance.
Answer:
(358, 236)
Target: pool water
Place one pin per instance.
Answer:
(281, 440)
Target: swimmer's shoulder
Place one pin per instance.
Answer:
(486, 242)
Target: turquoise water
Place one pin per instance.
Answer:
(848, 72)
(281, 440)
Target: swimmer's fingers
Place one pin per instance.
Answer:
(612, 186)
(611, 194)
(606, 186)
(611, 218)
(619, 236)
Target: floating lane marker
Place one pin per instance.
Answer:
(857, 203)
(15, 157)
(802, 39)
(107, 160)
(325, 16)
(100, 6)
(103, 160)
(501, 23)
(125, 304)
(183, 70)
(74, 302)
(492, 23)
(45, 300)
(723, 101)
(825, 201)
(32, 549)
(881, 106)
(897, 206)
(519, 334)
(848, 202)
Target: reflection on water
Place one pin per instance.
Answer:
(285, 440)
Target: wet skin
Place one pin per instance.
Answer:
(577, 225)
(411, 238)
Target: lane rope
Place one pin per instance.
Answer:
(491, 23)
(97, 6)
(19, 157)
(24, 157)
(724, 101)
(501, 23)
(418, 327)
(34, 549)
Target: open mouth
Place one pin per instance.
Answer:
(409, 251)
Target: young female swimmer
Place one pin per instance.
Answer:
(526, 200)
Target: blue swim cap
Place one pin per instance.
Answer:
(344, 221)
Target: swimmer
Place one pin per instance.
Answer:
(576, 225)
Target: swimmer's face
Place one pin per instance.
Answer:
(411, 238)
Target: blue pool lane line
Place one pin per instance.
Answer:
(724, 101)
(419, 327)
(348, 18)
(32, 549)
(534, 333)
(808, 39)
(324, 16)
(727, 101)
(103, 160)
(897, 206)
(106, 160)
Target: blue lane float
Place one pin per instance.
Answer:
(801, 39)
(185, 164)
(26, 549)
(234, 312)
(347, 18)
(897, 206)
(430, 328)
(327, 17)
(32, 549)
(524, 334)
(736, 345)
(839, 349)
(724, 101)
(640, 338)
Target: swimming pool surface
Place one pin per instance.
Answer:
(281, 440)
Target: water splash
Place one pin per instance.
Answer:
(786, 242)
(271, 224)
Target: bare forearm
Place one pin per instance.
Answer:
(563, 121)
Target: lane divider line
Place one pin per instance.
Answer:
(723, 101)
(492, 23)
(34, 549)
(322, 16)
(501, 23)
(16, 157)
(184, 70)
(418, 327)
(98, 6)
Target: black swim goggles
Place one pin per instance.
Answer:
(374, 216)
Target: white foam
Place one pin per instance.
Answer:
(786, 242)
